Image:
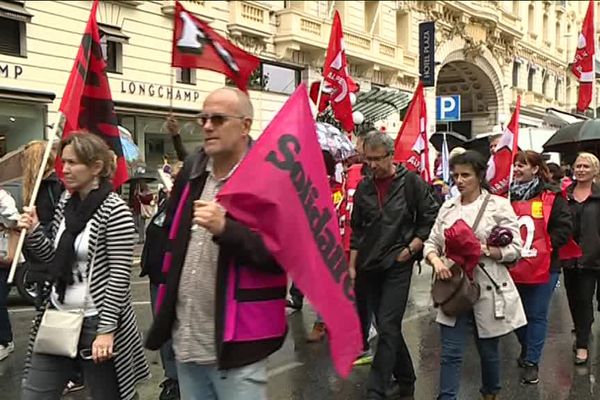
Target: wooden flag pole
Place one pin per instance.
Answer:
(57, 130)
(319, 96)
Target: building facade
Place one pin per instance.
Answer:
(487, 51)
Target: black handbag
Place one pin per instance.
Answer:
(458, 295)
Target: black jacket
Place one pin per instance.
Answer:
(379, 234)
(237, 244)
(155, 246)
(49, 194)
(586, 228)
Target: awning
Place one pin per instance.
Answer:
(560, 118)
(14, 10)
(27, 96)
(113, 33)
(378, 103)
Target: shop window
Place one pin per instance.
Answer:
(276, 78)
(111, 41)
(186, 75)
(13, 28)
(530, 77)
(515, 74)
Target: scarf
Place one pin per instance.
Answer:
(77, 214)
(526, 190)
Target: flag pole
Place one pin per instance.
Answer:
(319, 96)
(56, 130)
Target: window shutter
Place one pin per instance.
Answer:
(10, 37)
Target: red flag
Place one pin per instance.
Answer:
(412, 146)
(87, 103)
(197, 45)
(281, 191)
(583, 64)
(500, 163)
(337, 83)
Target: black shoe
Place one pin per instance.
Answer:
(530, 373)
(170, 390)
(395, 391)
(294, 304)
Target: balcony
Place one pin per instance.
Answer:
(197, 7)
(249, 18)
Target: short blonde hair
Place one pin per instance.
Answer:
(592, 159)
(90, 148)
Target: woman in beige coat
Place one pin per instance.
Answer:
(498, 310)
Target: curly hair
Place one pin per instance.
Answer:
(31, 162)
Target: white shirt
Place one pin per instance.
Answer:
(77, 295)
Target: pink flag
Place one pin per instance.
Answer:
(411, 147)
(281, 191)
(500, 163)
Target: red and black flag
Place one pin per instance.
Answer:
(197, 45)
(87, 103)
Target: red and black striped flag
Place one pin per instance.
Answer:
(87, 102)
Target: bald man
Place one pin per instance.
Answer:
(224, 301)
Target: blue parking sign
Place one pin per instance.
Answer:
(447, 108)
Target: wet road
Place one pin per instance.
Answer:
(304, 371)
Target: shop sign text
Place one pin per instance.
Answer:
(159, 91)
(10, 71)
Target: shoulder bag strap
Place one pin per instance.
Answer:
(484, 204)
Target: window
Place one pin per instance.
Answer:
(13, 24)
(530, 78)
(558, 38)
(545, 83)
(557, 89)
(531, 19)
(515, 74)
(545, 28)
(186, 75)
(111, 41)
(516, 6)
(371, 17)
(403, 29)
(276, 78)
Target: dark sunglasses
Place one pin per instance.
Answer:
(216, 119)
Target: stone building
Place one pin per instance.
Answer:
(488, 52)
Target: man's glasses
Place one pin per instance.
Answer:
(216, 119)
(377, 158)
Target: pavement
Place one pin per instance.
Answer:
(302, 371)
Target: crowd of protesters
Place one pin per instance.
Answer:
(81, 242)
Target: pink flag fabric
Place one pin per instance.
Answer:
(412, 145)
(583, 64)
(281, 191)
(500, 163)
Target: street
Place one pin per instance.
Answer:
(304, 371)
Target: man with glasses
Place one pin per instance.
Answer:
(217, 268)
(393, 213)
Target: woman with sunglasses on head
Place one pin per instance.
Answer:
(545, 223)
(498, 310)
(582, 273)
(91, 234)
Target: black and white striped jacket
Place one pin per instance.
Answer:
(111, 244)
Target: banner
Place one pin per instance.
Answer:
(412, 145)
(281, 191)
(87, 102)
(427, 53)
(499, 172)
(197, 45)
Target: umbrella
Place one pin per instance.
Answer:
(331, 139)
(575, 137)
(454, 140)
(130, 150)
(143, 176)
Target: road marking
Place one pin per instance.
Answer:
(284, 368)
(140, 303)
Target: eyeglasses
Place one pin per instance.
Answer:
(216, 119)
(377, 158)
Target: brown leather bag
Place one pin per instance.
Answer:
(458, 295)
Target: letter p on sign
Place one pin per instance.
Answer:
(448, 108)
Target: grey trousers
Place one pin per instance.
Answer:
(49, 374)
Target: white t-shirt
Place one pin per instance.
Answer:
(77, 295)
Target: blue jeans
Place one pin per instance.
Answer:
(6, 335)
(206, 382)
(167, 355)
(453, 348)
(536, 301)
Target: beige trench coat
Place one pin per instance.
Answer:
(498, 212)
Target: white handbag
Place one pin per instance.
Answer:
(59, 331)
